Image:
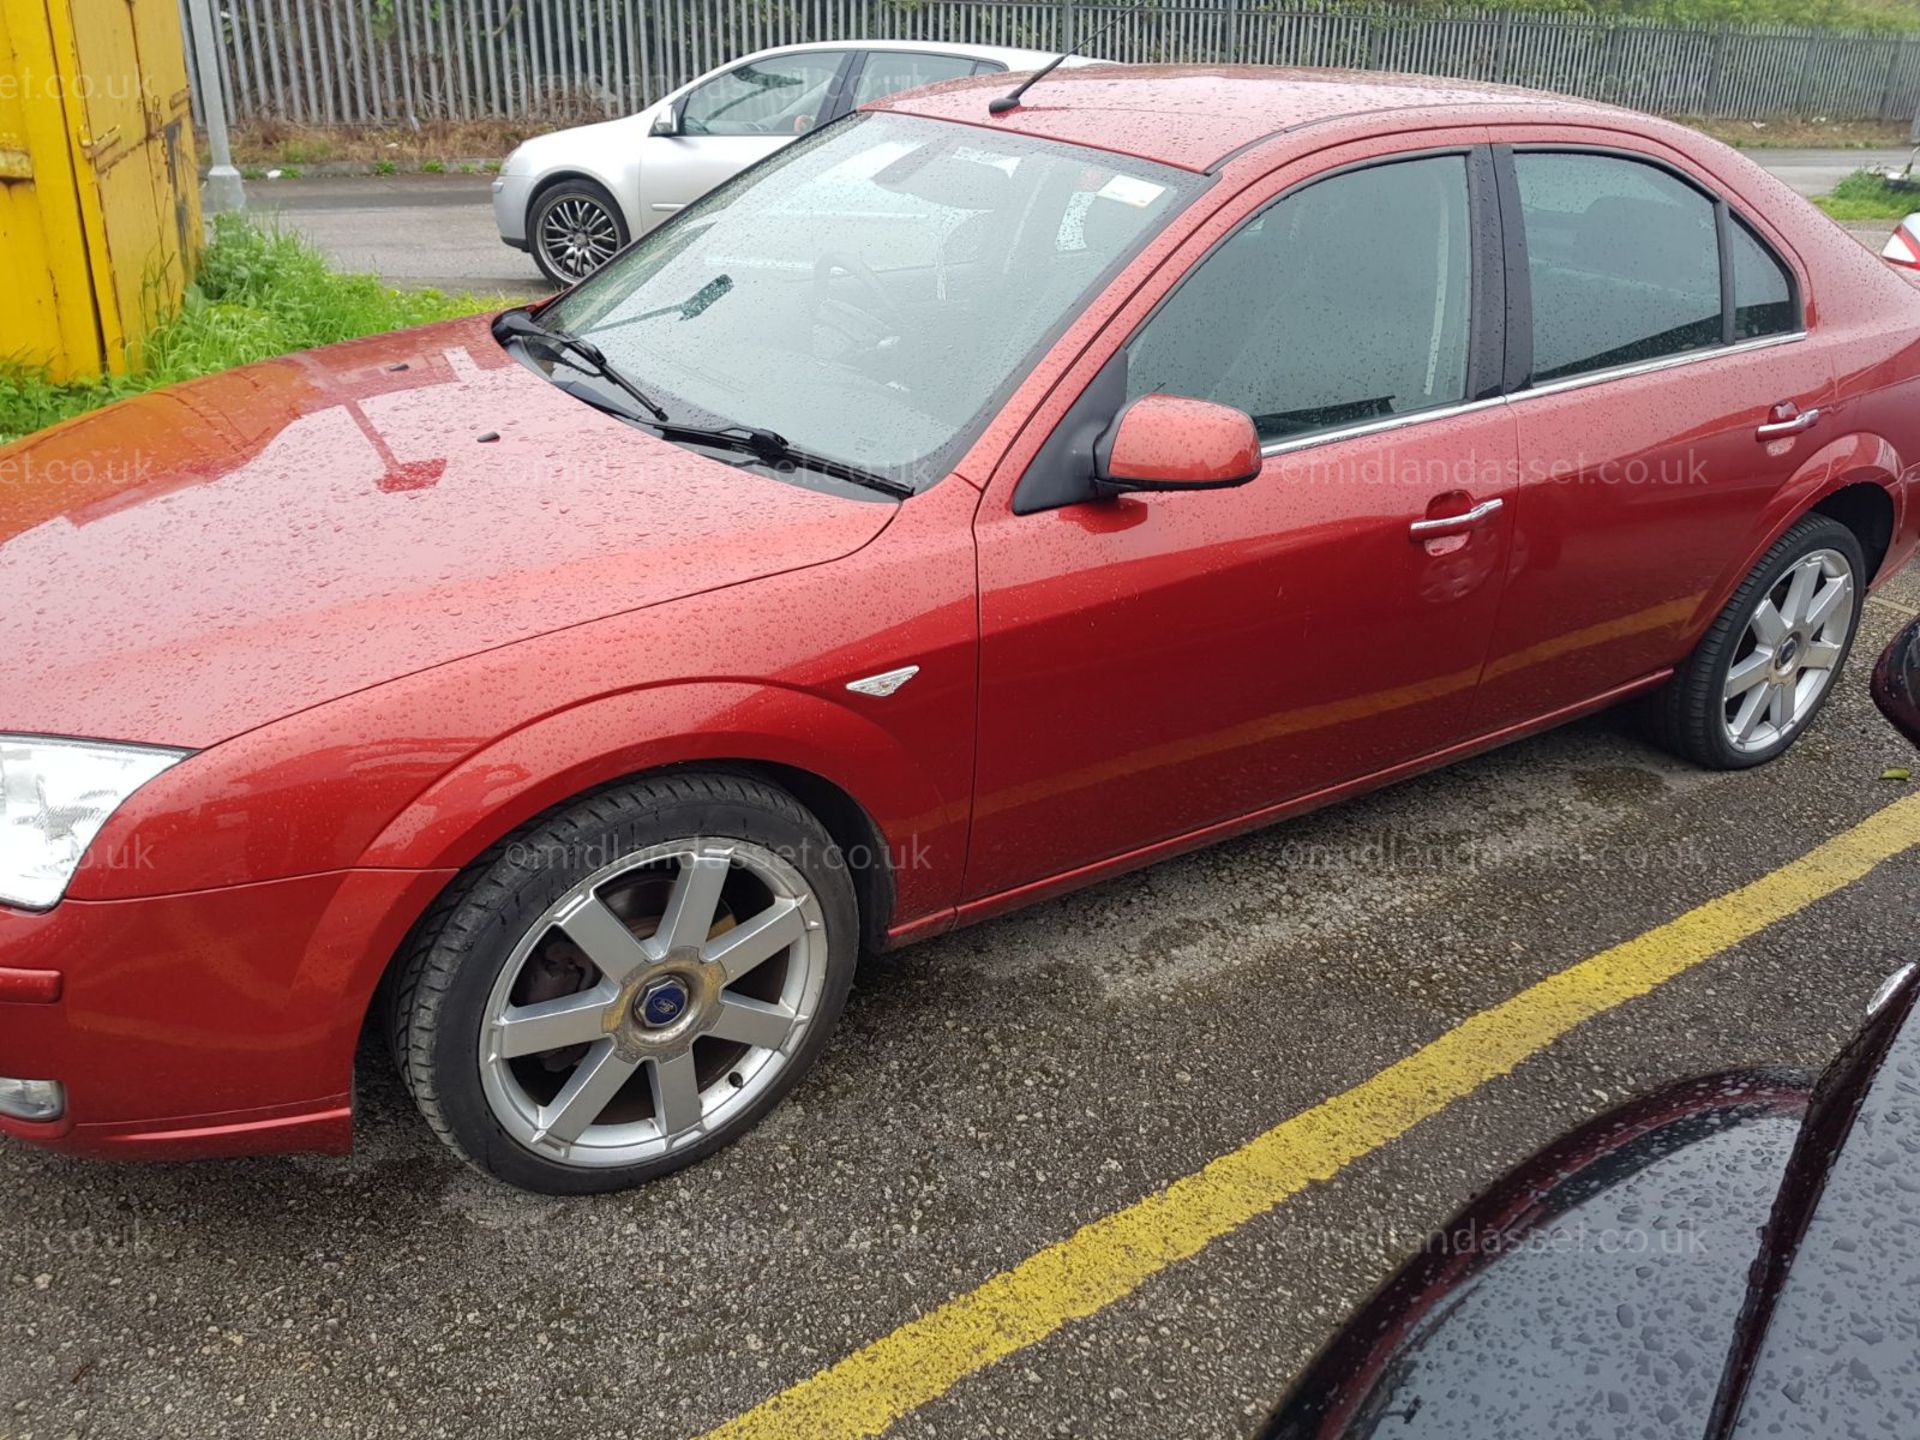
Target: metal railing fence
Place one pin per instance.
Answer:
(329, 62)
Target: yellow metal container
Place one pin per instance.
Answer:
(99, 190)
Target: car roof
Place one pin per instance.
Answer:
(1195, 116)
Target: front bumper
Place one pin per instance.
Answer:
(510, 196)
(216, 1022)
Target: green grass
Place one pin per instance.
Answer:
(261, 292)
(433, 167)
(1864, 195)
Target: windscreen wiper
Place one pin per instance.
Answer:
(770, 448)
(521, 325)
(686, 309)
(764, 445)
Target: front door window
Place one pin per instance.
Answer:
(782, 95)
(1347, 302)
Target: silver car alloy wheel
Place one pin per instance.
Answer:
(689, 974)
(578, 236)
(1794, 640)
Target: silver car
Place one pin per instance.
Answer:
(575, 197)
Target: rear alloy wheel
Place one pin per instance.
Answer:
(630, 984)
(1787, 657)
(575, 229)
(1768, 663)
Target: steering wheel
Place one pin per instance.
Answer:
(864, 328)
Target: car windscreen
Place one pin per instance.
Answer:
(872, 291)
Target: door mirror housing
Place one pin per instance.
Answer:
(1171, 442)
(666, 123)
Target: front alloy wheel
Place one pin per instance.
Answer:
(576, 228)
(603, 1047)
(628, 984)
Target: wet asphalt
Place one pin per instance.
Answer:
(381, 222)
(986, 1094)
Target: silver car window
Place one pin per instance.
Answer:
(888, 72)
(781, 95)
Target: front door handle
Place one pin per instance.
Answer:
(1454, 524)
(1792, 422)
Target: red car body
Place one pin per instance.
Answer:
(392, 639)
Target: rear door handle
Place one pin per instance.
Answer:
(1454, 524)
(1792, 425)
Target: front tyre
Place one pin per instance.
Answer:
(573, 228)
(1768, 663)
(628, 983)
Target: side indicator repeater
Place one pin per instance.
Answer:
(885, 683)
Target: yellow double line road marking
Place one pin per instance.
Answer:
(1111, 1257)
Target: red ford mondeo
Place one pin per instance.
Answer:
(965, 504)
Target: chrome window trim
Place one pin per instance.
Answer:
(1554, 387)
(1375, 427)
(1666, 362)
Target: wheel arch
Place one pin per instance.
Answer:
(793, 744)
(607, 185)
(858, 836)
(851, 828)
(1855, 481)
(1866, 508)
(864, 785)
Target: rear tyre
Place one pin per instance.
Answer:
(573, 228)
(1769, 660)
(628, 983)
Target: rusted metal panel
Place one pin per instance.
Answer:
(99, 210)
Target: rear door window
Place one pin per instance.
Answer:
(888, 72)
(1763, 297)
(1623, 260)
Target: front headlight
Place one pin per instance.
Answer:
(54, 797)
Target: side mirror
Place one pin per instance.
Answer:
(1903, 247)
(666, 123)
(1169, 442)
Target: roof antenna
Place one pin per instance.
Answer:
(1001, 104)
